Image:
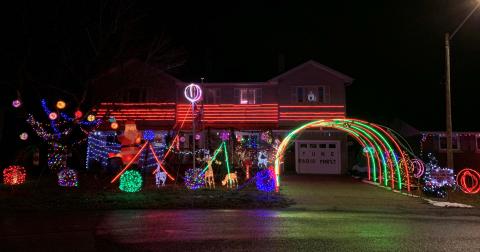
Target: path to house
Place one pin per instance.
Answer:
(331, 214)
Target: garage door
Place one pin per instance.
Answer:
(317, 157)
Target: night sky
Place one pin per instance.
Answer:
(393, 49)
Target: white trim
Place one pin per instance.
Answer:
(346, 78)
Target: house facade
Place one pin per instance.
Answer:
(155, 101)
(465, 145)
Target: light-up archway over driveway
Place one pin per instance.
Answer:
(388, 162)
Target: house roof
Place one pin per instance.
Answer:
(347, 79)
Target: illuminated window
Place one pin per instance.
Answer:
(442, 140)
(248, 95)
(310, 94)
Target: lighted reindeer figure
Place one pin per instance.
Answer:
(209, 178)
(230, 180)
(160, 177)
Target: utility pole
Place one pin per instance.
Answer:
(448, 102)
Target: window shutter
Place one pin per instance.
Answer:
(327, 95)
(236, 95)
(258, 99)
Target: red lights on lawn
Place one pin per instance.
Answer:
(469, 181)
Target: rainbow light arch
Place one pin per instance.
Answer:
(383, 151)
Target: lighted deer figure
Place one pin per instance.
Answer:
(160, 177)
(209, 178)
(230, 180)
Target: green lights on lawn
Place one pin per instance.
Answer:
(131, 181)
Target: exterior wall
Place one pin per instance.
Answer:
(467, 156)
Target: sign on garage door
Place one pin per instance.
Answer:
(317, 157)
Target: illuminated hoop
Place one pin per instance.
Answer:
(418, 168)
(193, 92)
(472, 186)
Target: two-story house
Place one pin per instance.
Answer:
(155, 100)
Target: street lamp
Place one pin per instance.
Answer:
(448, 96)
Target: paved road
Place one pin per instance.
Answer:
(332, 214)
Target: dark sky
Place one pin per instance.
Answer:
(393, 49)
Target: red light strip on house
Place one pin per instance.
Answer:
(136, 104)
(311, 106)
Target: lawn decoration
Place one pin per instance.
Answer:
(230, 180)
(193, 179)
(209, 176)
(16, 103)
(437, 179)
(131, 181)
(14, 175)
(67, 178)
(160, 177)
(61, 133)
(24, 136)
(469, 181)
(418, 168)
(262, 159)
(265, 180)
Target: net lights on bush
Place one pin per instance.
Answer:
(148, 135)
(437, 179)
(193, 179)
(131, 181)
(67, 178)
(265, 180)
(469, 181)
(14, 175)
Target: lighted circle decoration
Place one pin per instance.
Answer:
(114, 125)
(265, 180)
(53, 116)
(24, 136)
(224, 135)
(67, 178)
(14, 175)
(311, 97)
(16, 103)
(469, 181)
(148, 135)
(418, 168)
(61, 104)
(78, 114)
(91, 118)
(193, 93)
(194, 179)
(182, 139)
(131, 181)
(197, 137)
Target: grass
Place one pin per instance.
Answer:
(93, 194)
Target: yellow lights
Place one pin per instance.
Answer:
(61, 104)
(91, 118)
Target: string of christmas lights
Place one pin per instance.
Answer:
(14, 175)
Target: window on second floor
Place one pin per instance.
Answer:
(248, 95)
(212, 96)
(310, 94)
(136, 94)
(443, 143)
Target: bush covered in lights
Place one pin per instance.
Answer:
(265, 180)
(131, 181)
(437, 180)
(194, 178)
(67, 178)
(14, 175)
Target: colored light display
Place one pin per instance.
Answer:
(67, 178)
(193, 93)
(148, 135)
(78, 114)
(469, 181)
(91, 118)
(418, 168)
(265, 180)
(16, 103)
(24, 136)
(53, 116)
(114, 125)
(193, 178)
(384, 159)
(131, 181)
(14, 175)
(437, 179)
(61, 104)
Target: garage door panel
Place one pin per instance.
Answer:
(317, 157)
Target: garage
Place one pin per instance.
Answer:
(317, 157)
